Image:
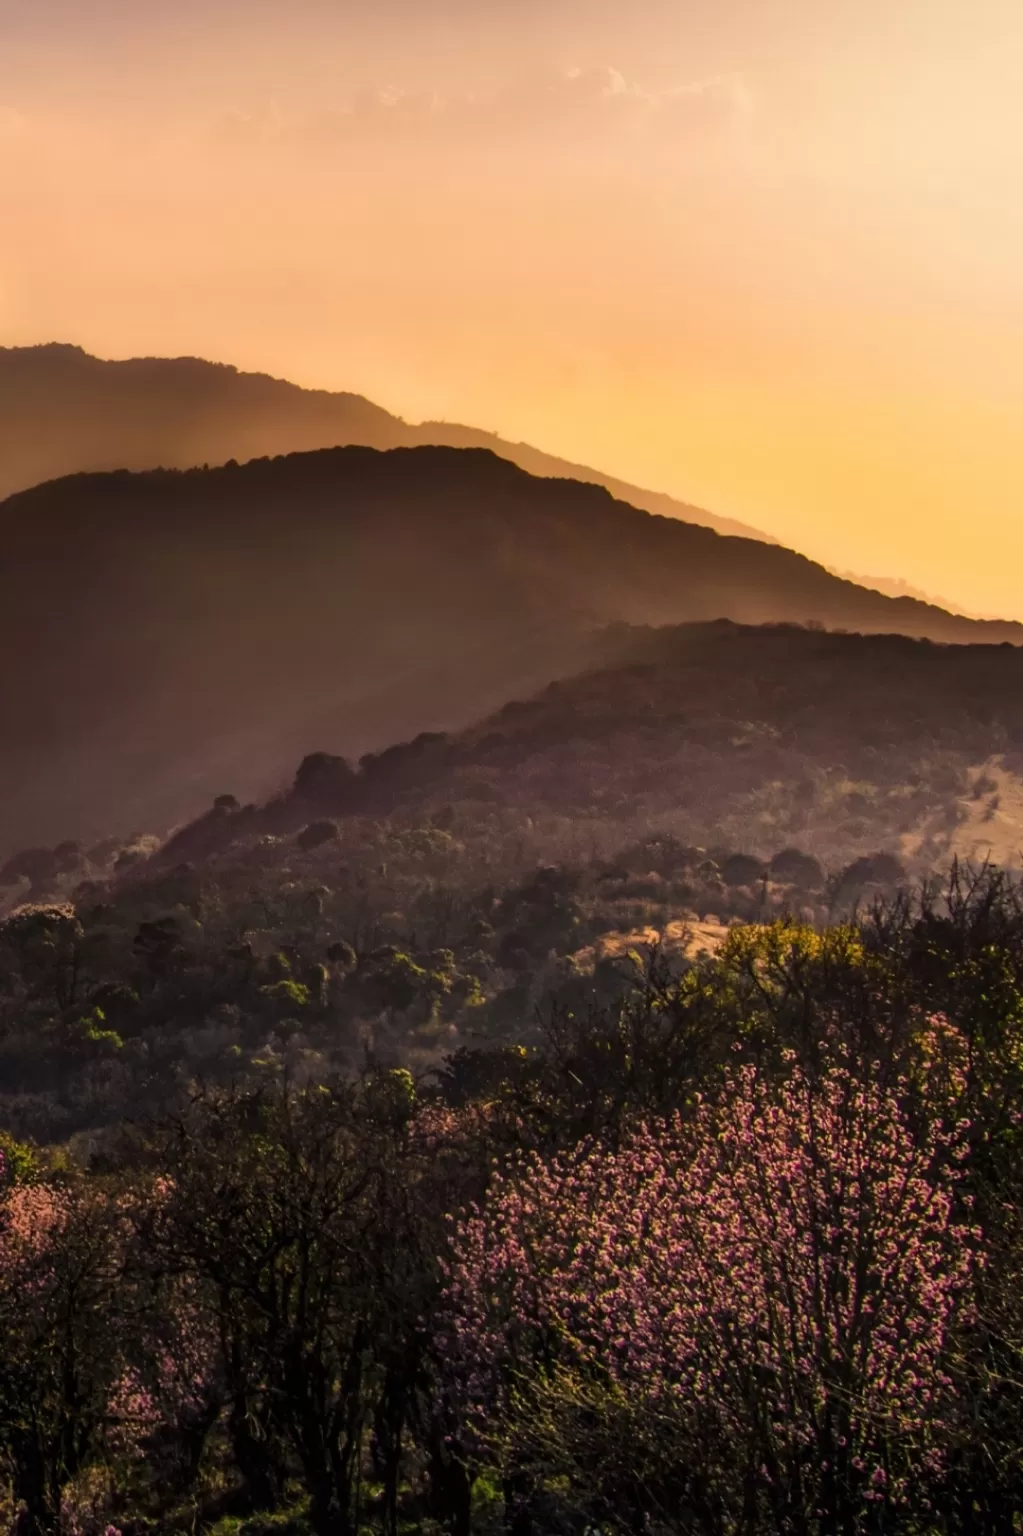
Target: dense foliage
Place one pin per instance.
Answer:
(352, 941)
(664, 1241)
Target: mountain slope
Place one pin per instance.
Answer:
(179, 633)
(709, 734)
(760, 737)
(63, 412)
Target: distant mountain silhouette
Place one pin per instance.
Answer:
(63, 411)
(895, 586)
(168, 635)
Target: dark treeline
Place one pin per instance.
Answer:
(689, 1243)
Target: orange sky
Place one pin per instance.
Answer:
(764, 254)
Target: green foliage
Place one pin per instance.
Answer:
(391, 1096)
(20, 1162)
(281, 1523)
(94, 1030)
(292, 993)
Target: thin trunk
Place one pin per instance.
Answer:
(29, 1485)
(252, 1457)
(450, 1491)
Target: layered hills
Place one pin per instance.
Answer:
(63, 411)
(176, 634)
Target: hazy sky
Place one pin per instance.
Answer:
(764, 254)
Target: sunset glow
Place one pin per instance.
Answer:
(766, 255)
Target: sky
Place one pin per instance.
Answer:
(766, 255)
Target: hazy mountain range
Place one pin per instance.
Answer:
(63, 411)
(181, 633)
(896, 586)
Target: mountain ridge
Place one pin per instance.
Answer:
(45, 389)
(182, 631)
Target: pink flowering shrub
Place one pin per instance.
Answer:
(764, 1291)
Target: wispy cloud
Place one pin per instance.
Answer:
(577, 106)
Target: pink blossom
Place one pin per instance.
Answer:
(784, 1266)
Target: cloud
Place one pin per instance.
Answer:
(578, 106)
(602, 102)
(604, 98)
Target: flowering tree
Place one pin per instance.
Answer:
(762, 1294)
(57, 1331)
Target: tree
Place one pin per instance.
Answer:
(763, 1295)
(59, 1341)
(291, 1212)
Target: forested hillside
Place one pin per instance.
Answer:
(713, 735)
(457, 1142)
